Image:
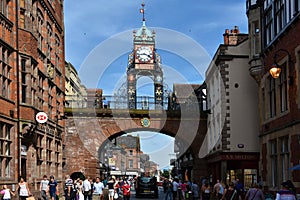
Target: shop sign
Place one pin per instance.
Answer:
(23, 150)
(41, 117)
(132, 173)
(239, 157)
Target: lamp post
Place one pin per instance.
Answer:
(275, 69)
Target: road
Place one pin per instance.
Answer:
(161, 195)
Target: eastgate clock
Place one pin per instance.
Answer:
(144, 54)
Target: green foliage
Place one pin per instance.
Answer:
(165, 173)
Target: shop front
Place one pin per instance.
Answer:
(230, 166)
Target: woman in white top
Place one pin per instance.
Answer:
(7, 193)
(80, 190)
(23, 189)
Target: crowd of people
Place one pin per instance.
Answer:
(176, 189)
(96, 189)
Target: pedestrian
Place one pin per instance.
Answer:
(117, 188)
(98, 190)
(80, 190)
(286, 192)
(7, 193)
(195, 190)
(23, 189)
(175, 188)
(169, 190)
(255, 193)
(68, 188)
(90, 195)
(52, 188)
(240, 189)
(126, 190)
(43, 187)
(230, 193)
(205, 190)
(111, 190)
(218, 190)
(87, 188)
(183, 186)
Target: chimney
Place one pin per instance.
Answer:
(225, 35)
(231, 37)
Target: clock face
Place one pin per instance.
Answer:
(144, 54)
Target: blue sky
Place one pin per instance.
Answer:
(98, 37)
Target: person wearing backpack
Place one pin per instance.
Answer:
(218, 190)
(230, 193)
(255, 193)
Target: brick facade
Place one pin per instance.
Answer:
(94, 131)
(32, 69)
(278, 98)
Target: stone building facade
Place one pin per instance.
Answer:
(131, 144)
(32, 81)
(231, 146)
(76, 92)
(276, 25)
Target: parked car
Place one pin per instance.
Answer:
(146, 186)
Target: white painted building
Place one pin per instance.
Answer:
(231, 145)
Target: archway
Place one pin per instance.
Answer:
(77, 175)
(136, 153)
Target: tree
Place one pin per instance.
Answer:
(165, 173)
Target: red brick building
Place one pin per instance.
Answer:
(32, 80)
(274, 39)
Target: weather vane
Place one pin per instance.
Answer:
(142, 10)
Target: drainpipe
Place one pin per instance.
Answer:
(18, 89)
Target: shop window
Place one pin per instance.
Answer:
(1, 131)
(263, 104)
(5, 150)
(272, 96)
(130, 164)
(5, 68)
(7, 167)
(4, 7)
(1, 164)
(250, 177)
(256, 38)
(22, 19)
(279, 8)
(24, 81)
(283, 89)
(274, 163)
(269, 32)
(285, 158)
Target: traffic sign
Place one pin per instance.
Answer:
(41, 117)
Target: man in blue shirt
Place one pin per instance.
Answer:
(98, 190)
(52, 188)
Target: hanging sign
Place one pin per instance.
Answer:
(41, 117)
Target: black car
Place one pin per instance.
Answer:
(146, 186)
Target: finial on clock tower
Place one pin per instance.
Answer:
(142, 10)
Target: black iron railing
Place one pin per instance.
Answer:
(121, 102)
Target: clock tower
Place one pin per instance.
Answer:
(144, 61)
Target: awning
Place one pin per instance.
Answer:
(296, 167)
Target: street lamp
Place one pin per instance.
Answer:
(275, 69)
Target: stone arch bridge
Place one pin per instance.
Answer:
(88, 128)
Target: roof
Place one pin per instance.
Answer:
(144, 34)
(183, 91)
(129, 142)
